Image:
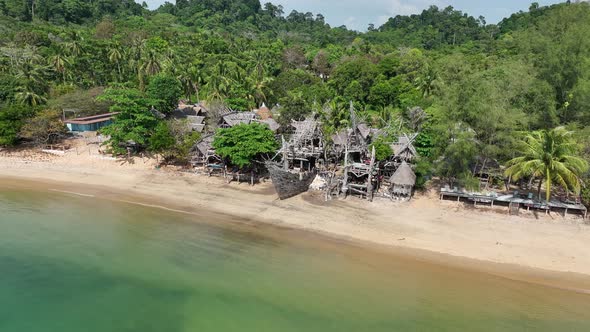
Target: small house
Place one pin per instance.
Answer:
(236, 118)
(402, 182)
(403, 149)
(90, 123)
(232, 119)
(195, 115)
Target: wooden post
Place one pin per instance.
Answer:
(345, 180)
(369, 179)
(285, 156)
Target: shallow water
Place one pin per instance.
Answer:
(71, 263)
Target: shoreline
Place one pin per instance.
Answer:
(533, 251)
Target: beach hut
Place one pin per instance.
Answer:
(195, 114)
(231, 119)
(203, 156)
(403, 149)
(402, 182)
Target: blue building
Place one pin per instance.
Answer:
(90, 123)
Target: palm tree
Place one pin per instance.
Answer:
(59, 64)
(151, 65)
(549, 155)
(257, 88)
(191, 79)
(75, 44)
(29, 97)
(219, 82)
(427, 81)
(115, 56)
(32, 71)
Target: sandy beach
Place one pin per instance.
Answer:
(543, 249)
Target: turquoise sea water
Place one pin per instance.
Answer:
(71, 263)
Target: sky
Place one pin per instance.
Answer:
(357, 14)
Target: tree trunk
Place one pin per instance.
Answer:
(548, 187)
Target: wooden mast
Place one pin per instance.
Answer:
(369, 178)
(285, 155)
(345, 180)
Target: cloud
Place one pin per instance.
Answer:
(408, 7)
(350, 21)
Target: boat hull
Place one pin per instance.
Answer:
(288, 184)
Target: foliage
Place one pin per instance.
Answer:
(161, 140)
(165, 90)
(552, 156)
(12, 119)
(174, 139)
(382, 150)
(244, 143)
(134, 122)
(469, 181)
(45, 127)
(458, 156)
(423, 171)
(81, 102)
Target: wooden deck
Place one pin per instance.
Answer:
(515, 202)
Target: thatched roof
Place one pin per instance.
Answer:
(404, 176)
(364, 130)
(272, 124)
(404, 145)
(236, 118)
(340, 138)
(205, 144)
(263, 112)
(183, 110)
(193, 119)
(198, 127)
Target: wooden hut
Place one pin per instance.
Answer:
(403, 149)
(402, 182)
(203, 155)
(306, 146)
(236, 118)
(195, 114)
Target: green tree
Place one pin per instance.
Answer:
(383, 150)
(44, 128)
(27, 96)
(244, 143)
(12, 118)
(165, 90)
(134, 122)
(550, 156)
(161, 140)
